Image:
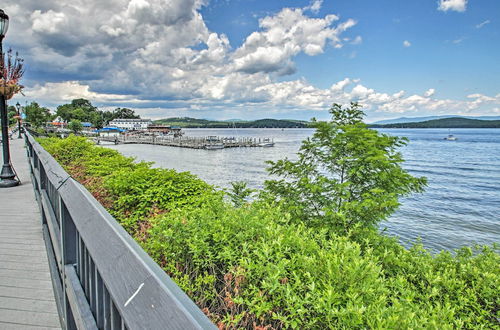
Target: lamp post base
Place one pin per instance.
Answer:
(8, 183)
(8, 177)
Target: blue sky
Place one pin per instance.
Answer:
(253, 59)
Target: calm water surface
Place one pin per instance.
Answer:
(461, 205)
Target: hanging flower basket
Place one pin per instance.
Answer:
(9, 90)
(11, 71)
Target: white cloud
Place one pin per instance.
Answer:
(357, 41)
(48, 22)
(314, 6)
(430, 92)
(158, 54)
(283, 36)
(69, 90)
(455, 5)
(480, 25)
(406, 43)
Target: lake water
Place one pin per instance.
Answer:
(461, 205)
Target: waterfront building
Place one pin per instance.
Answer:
(131, 124)
(165, 130)
(162, 129)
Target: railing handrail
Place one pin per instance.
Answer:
(101, 276)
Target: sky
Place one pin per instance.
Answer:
(249, 59)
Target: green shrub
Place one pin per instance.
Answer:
(255, 266)
(250, 266)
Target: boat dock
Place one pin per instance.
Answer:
(210, 142)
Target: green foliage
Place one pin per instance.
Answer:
(124, 113)
(75, 126)
(256, 266)
(346, 174)
(131, 191)
(84, 111)
(143, 192)
(250, 267)
(36, 115)
(81, 110)
(239, 193)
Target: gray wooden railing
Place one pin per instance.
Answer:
(101, 277)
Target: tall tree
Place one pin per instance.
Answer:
(36, 115)
(81, 110)
(125, 113)
(346, 174)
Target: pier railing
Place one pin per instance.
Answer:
(102, 278)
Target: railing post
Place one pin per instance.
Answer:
(69, 257)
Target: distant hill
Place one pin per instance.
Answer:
(187, 122)
(421, 119)
(455, 122)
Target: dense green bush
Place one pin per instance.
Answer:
(255, 266)
(131, 191)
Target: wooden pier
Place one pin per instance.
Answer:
(26, 295)
(209, 143)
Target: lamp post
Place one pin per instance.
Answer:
(7, 175)
(18, 107)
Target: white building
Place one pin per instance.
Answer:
(131, 124)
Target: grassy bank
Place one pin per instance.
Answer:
(255, 266)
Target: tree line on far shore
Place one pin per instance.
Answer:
(74, 113)
(187, 122)
(454, 122)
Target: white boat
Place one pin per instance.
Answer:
(214, 146)
(266, 143)
(450, 137)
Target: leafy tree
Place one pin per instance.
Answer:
(83, 104)
(75, 126)
(107, 116)
(82, 110)
(346, 174)
(125, 113)
(36, 115)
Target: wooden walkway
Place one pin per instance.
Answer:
(26, 294)
(210, 143)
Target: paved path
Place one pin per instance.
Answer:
(26, 295)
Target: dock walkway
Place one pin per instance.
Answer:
(26, 294)
(210, 142)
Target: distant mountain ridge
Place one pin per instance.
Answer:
(421, 119)
(187, 122)
(454, 122)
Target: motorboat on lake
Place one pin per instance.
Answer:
(266, 143)
(451, 137)
(214, 146)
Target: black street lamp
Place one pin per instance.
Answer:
(7, 175)
(18, 108)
